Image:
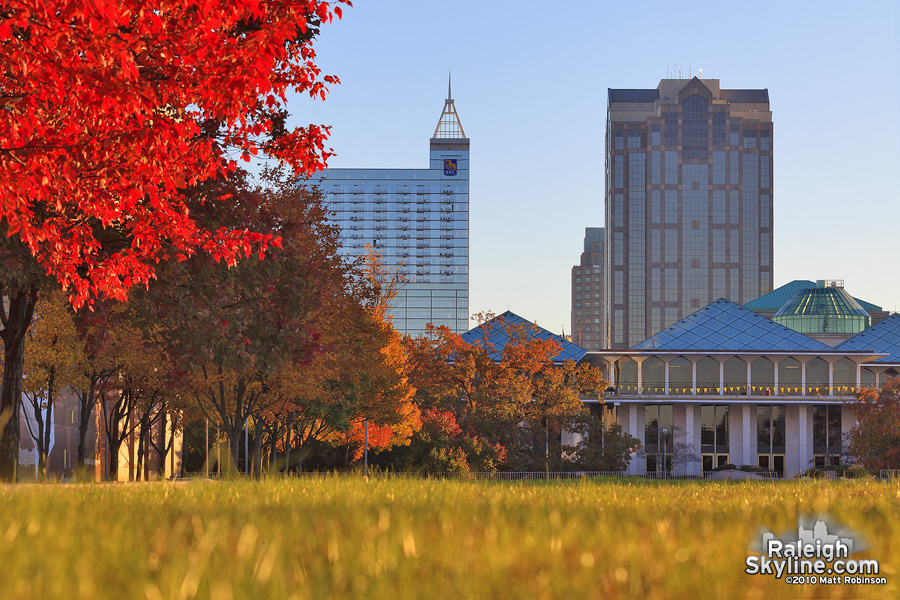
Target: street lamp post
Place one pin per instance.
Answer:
(665, 445)
(367, 450)
(657, 451)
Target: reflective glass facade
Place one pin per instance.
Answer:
(418, 220)
(688, 203)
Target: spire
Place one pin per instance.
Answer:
(449, 125)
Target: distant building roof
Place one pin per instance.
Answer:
(499, 337)
(775, 299)
(728, 327)
(778, 297)
(745, 95)
(639, 95)
(881, 337)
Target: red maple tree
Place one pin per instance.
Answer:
(109, 109)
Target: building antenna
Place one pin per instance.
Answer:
(449, 95)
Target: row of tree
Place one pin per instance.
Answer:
(295, 344)
(292, 336)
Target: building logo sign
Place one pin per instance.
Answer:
(450, 167)
(818, 554)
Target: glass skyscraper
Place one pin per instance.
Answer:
(587, 292)
(688, 203)
(418, 220)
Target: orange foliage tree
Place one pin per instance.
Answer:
(53, 361)
(361, 375)
(512, 397)
(875, 439)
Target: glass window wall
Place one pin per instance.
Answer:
(708, 376)
(680, 376)
(713, 435)
(770, 436)
(658, 436)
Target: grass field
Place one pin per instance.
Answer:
(394, 538)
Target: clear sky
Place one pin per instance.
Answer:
(530, 82)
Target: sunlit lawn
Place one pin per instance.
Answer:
(348, 538)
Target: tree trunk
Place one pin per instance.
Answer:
(287, 451)
(162, 450)
(86, 402)
(47, 427)
(15, 324)
(234, 445)
(141, 431)
(257, 448)
(113, 459)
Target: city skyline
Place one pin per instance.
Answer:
(533, 104)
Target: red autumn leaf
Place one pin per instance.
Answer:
(108, 107)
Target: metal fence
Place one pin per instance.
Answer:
(765, 389)
(548, 475)
(889, 474)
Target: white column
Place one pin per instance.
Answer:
(667, 376)
(775, 373)
(637, 465)
(721, 377)
(802, 450)
(830, 378)
(694, 377)
(640, 376)
(735, 434)
(749, 435)
(749, 378)
(803, 378)
(692, 468)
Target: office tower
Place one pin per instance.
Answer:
(688, 202)
(418, 220)
(587, 293)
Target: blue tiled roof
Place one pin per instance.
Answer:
(499, 337)
(881, 337)
(778, 297)
(728, 327)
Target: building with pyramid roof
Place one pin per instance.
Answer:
(726, 385)
(418, 221)
(497, 332)
(769, 304)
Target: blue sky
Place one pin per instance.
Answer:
(530, 82)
